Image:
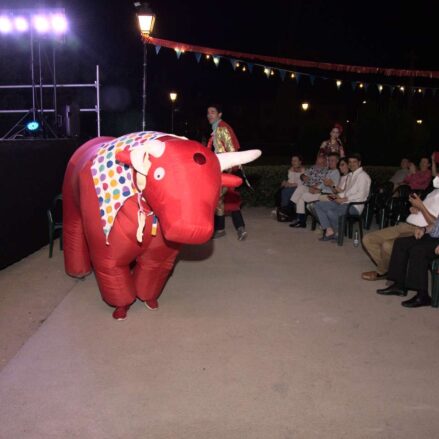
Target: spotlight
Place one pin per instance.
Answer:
(41, 24)
(292, 75)
(21, 24)
(32, 126)
(59, 23)
(5, 24)
(338, 83)
(419, 121)
(364, 102)
(305, 106)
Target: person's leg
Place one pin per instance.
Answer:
(300, 190)
(237, 218)
(420, 256)
(402, 230)
(322, 208)
(219, 220)
(286, 194)
(400, 259)
(334, 214)
(238, 222)
(297, 198)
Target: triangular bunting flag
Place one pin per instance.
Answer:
(197, 56)
(298, 76)
(366, 86)
(250, 67)
(233, 62)
(216, 60)
(354, 85)
(282, 74)
(312, 79)
(178, 53)
(392, 89)
(157, 49)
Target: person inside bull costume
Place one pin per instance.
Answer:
(223, 139)
(138, 198)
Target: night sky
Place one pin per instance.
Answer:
(105, 32)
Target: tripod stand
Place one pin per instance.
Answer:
(41, 126)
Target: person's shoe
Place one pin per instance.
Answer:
(219, 234)
(298, 224)
(242, 234)
(417, 301)
(152, 304)
(373, 275)
(120, 313)
(327, 238)
(392, 290)
(294, 223)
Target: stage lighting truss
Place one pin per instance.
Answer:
(43, 22)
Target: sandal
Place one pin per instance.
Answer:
(373, 275)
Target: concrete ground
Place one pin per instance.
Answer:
(274, 337)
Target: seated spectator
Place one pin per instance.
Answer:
(409, 264)
(401, 174)
(356, 190)
(312, 180)
(289, 186)
(379, 244)
(333, 176)
(343, 169)
(419, 179)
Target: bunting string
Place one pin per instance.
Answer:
(364, 70)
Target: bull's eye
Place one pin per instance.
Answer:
(199, 158)
(159, 173)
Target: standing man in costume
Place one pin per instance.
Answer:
(223, 139)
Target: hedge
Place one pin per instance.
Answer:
(265, 181)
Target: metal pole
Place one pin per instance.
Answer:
(98, 102)
(55, 103)
(172, 117)
(41, 78)
(32, 70)
(145, 53)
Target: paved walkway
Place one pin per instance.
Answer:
(274, 337)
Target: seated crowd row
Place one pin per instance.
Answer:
(402, 253)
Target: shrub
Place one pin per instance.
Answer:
(265, 181)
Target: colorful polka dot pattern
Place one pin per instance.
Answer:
(114, 181)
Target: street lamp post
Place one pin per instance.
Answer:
(146, 20)
(173, 97)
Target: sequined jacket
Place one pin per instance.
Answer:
(223, 139)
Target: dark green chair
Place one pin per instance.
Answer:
(435, 283)
(54, 216)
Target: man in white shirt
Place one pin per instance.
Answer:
(356, 190)
(379, 244)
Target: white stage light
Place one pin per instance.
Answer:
(21, 24)
(59, 23)
(5, 24)
(41, 24)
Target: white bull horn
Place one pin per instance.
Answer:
(230, 159)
